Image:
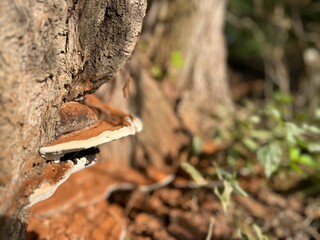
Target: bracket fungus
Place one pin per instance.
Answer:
(81, 129)
(86, 127)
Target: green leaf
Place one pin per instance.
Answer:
(270, 157)
(314, 147)
(311, 128)
(232, 179)
(293, 132)
(250, 144)
(194, 173)
(156, 72)
(225, 196)
(244, 236)
(307, 160)
(259, 233)
(223, 174)
(283, 98)
(197, 144)
(237, 189)
(262, 135)
(296, 168)
(275, 113)
(294, 153)
(255, 119)
(176, 59)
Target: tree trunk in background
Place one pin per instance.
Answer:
(51, 52)
(195, 30)
(191, 92)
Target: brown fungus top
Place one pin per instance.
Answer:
(74, 116)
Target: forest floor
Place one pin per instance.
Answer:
(110, 201)
(107, 201)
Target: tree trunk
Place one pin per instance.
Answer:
(194, 31)
(51, 52)
(184, 39)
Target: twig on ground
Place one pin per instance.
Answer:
(211, 224)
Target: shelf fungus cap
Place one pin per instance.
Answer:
(53, 175)
(97, 133)
(80, 130)
(74, 116)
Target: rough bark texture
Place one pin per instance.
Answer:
(51, 52)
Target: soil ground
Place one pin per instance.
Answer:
(108, 201)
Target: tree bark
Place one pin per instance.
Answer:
(186, 96)
(51, 52)
(195, 31)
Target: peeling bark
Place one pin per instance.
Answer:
(51, 52)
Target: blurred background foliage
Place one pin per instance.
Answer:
(275, 44)
(274, 71)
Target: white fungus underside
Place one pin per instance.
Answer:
(105, 137)
(46, 190)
